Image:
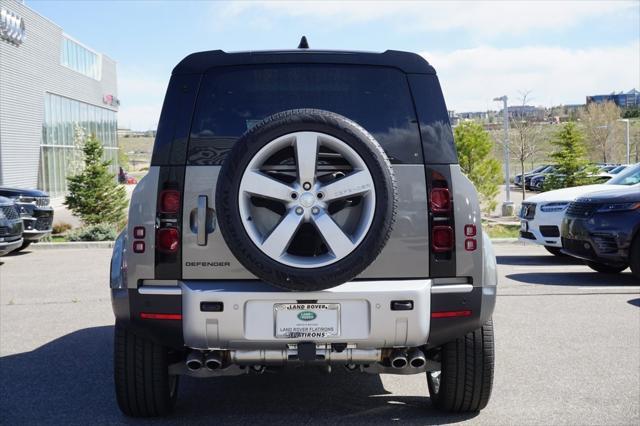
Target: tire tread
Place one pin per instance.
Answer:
(141, 375)
(467, 372)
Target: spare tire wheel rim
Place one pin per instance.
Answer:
(309, 195)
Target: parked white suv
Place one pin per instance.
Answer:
(541, 215)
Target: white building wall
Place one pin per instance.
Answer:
(27, 72)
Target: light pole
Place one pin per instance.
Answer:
(626, 137)
(507, 205)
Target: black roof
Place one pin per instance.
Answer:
(14, 192)
(200, 62)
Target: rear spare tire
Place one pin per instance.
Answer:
(306, 199)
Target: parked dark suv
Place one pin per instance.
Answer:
(603, 228)
(303, 207)
(35, 210)
(10, 226)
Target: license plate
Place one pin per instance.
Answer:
(524, 226)
(307, 320)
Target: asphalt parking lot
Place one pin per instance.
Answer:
(567, 352)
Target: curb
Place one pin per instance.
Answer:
(72, 245)
(109, 244)
(507, 241)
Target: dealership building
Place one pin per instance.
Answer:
(50, 83)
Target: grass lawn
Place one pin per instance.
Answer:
(502, 231)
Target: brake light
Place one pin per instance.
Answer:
(168, 240)
(441, 222)
(442, 238)
(440, 200)
(169, 201)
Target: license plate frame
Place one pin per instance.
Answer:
(306, 320)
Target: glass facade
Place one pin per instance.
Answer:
(59, 156)
(80, 59)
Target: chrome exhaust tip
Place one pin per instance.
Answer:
(213, 360)
(417, 358)
(399, 359)
(194, 361)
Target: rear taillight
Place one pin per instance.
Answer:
(470, 244)
(441, 212)
(442, 239)
(138, 232)
(138, 242)
(470, 231)
(168, 223)
(170, 201)
(168, 240)
(442, 261)
(440, 200)
(138, 246)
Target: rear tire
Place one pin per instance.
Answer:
(605, 269)
(556, 251)
(634, 256)
(144, 387)
(466, 377)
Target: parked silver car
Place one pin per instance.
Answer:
(303, 207)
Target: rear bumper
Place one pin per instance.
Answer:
(247, 319)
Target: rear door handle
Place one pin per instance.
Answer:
(202, 220)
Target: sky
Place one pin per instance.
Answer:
(557, 51)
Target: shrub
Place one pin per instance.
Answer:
(572, 166)
(99, 232)
(474, 148)
(94, 194)
(61, 227)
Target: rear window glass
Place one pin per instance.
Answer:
(233, 100)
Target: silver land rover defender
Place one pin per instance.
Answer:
(303, 207)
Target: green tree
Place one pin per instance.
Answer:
(94, 194)
(570, 157)
(474, 148)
